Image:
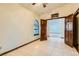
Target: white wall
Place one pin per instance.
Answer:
(16, 26)
(64, 10)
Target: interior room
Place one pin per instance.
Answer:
(39, 29)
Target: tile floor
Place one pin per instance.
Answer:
(51, 47)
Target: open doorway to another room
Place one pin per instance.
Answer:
(56, 30)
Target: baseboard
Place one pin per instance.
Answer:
(18, 47)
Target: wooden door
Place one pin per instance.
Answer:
(76, 30)
(69, 30)
(43, 30)
(75, 34)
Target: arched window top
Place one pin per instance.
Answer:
(36, 27)
(36, 22)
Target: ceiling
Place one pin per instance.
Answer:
(39, 9)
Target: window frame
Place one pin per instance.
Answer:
(36, 27)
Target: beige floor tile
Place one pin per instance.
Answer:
(51, 47)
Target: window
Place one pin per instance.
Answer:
(36, 27)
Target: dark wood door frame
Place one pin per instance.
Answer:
(69, 33)
(43, 30)
(76, 44)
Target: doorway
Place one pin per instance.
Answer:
(56, 28)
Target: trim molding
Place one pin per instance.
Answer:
(57, 18)
(77, 12)
(18, 47)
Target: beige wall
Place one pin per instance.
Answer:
(63, 11)
(16, 26)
